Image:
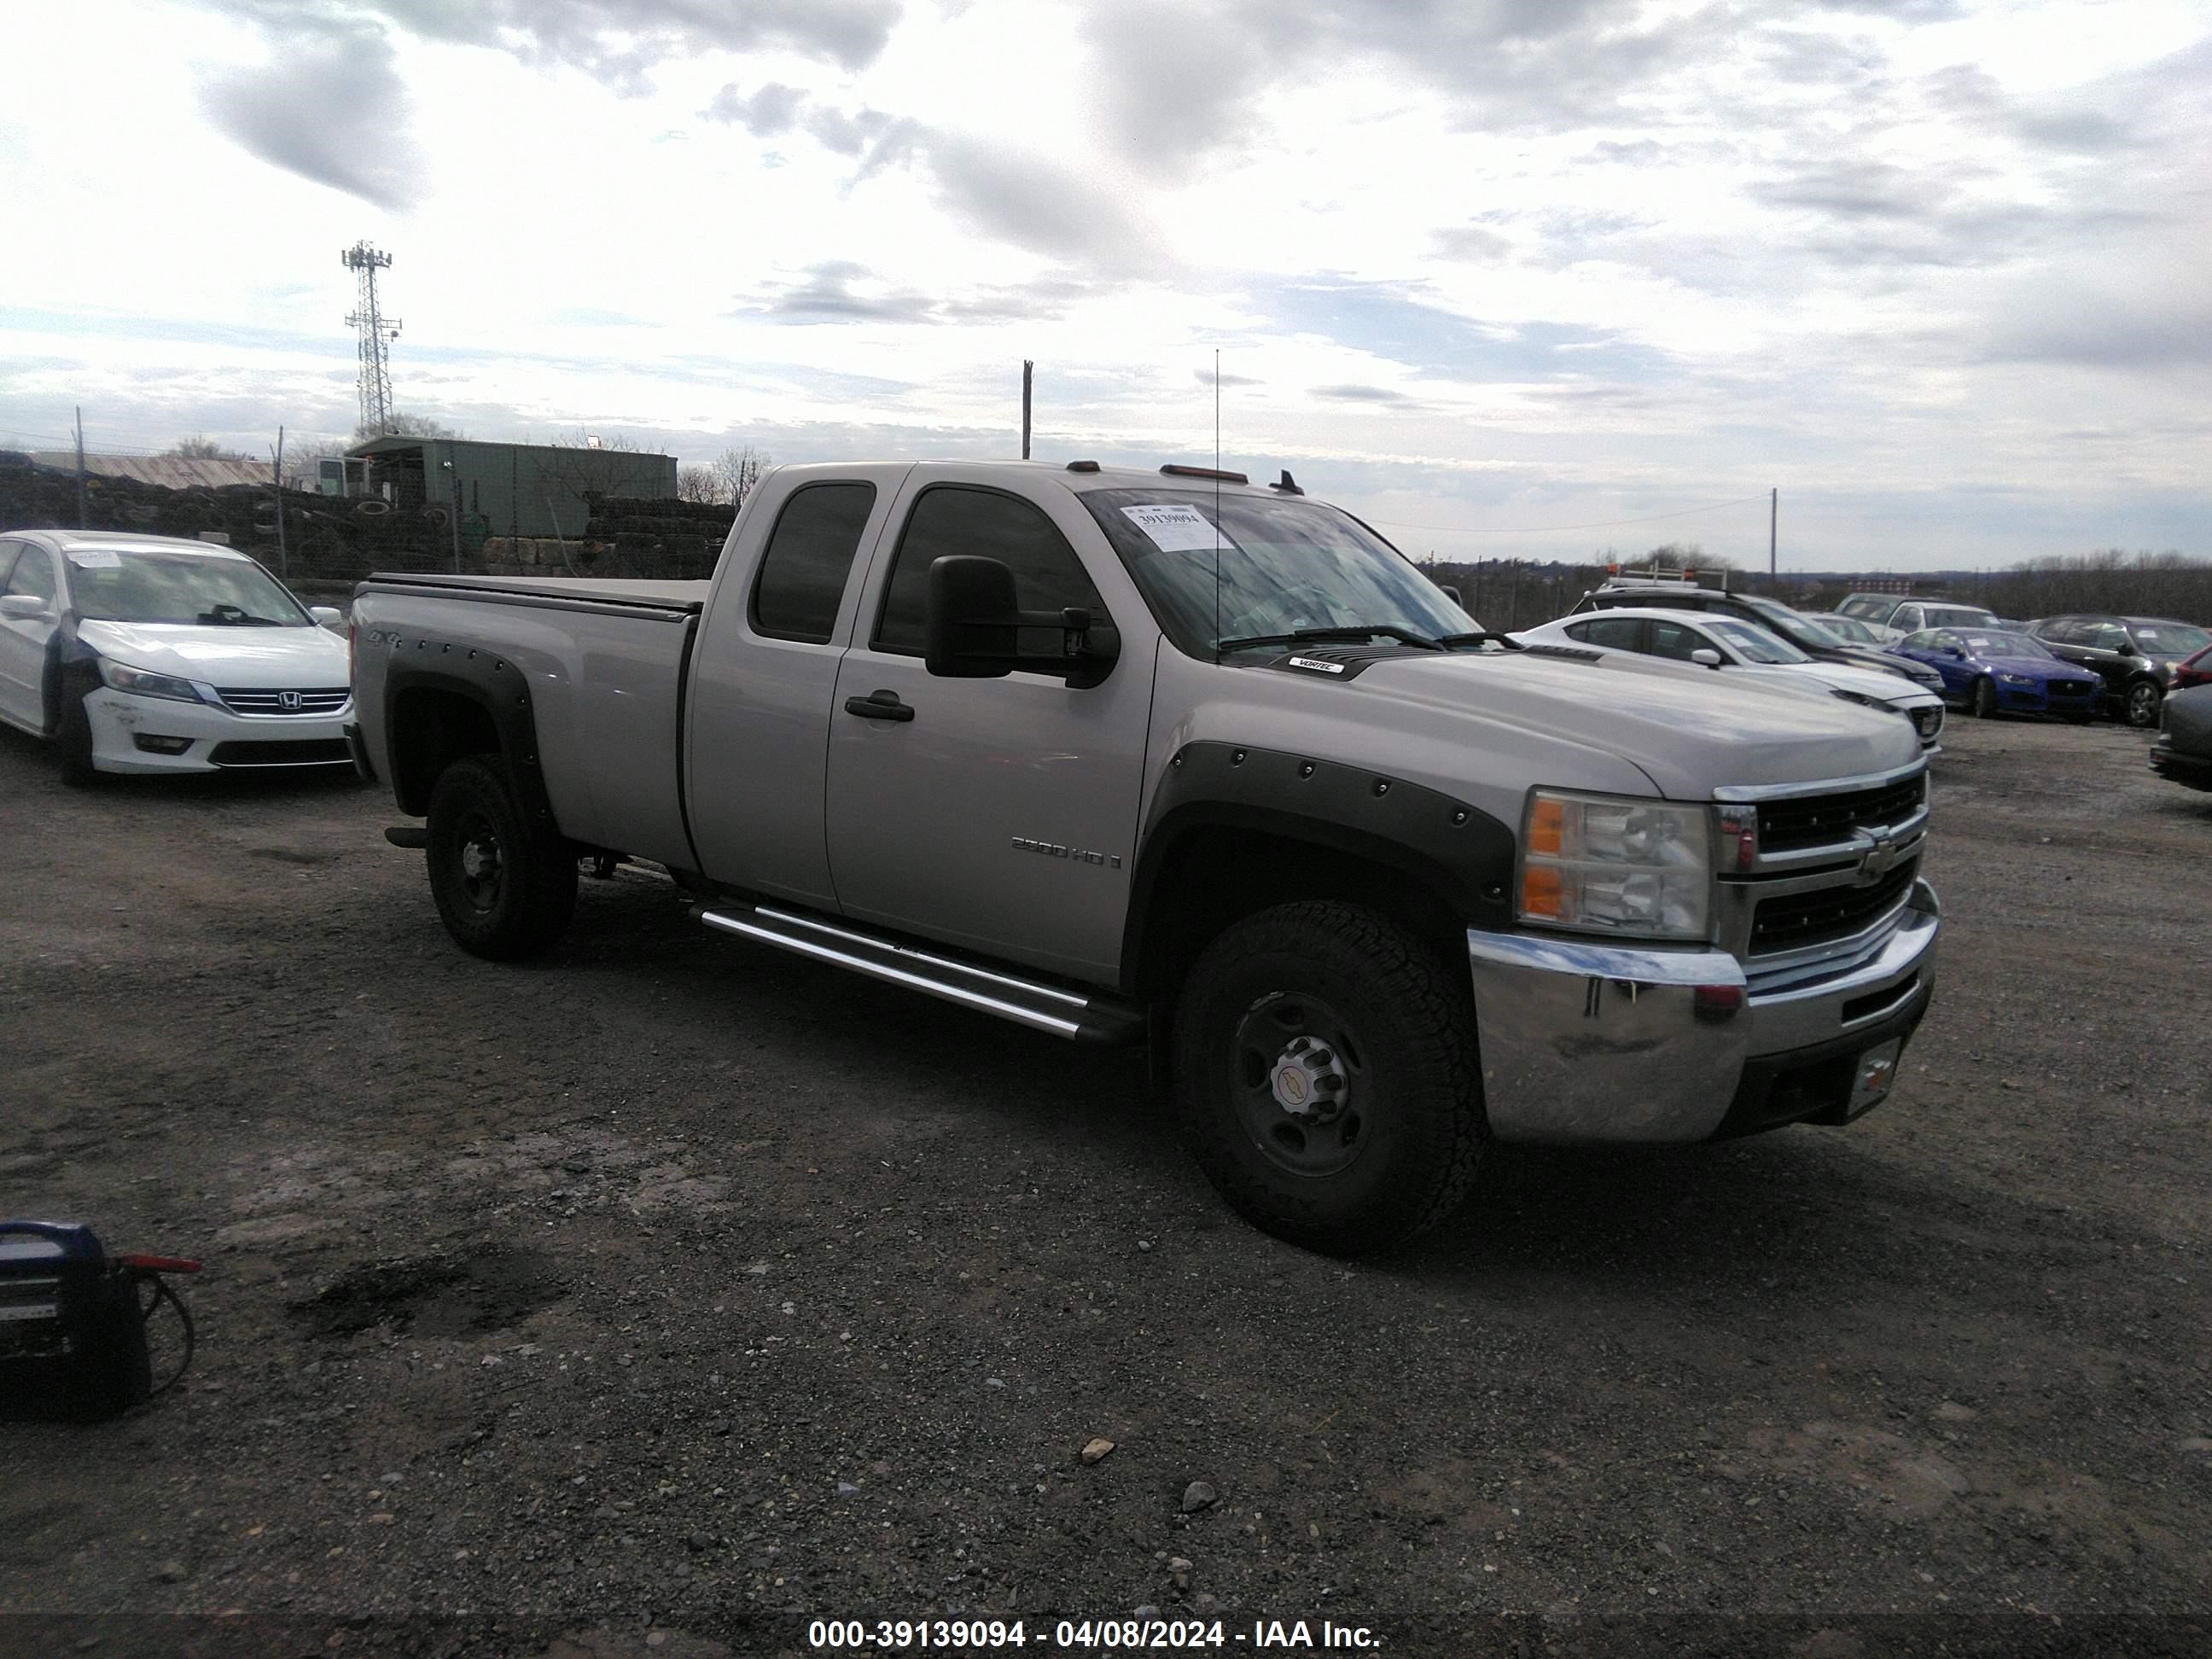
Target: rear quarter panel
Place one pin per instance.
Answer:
(605, 690)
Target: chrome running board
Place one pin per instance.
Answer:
(1080, 1016)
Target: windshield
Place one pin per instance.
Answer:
(130, 585)
(1982, 642)
(1847, 631)
(1800, 630)
(1285, 565)
(1754, 644)
(2169, 639)
(1951, 615)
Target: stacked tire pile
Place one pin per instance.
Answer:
(324, 537)
(670, 540)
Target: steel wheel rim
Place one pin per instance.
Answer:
(480, 862)
(2142, 705)
(1300, 1085)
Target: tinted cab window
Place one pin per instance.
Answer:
(809, 556)
(954, 519)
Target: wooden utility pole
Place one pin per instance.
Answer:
(1028, 370)
(283, 560)
(80, 466)
(1773, 521)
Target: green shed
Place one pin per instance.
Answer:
(513, 490)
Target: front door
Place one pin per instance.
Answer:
(996, 814)
(25, 568)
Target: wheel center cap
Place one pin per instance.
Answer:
(1308, 1081)
(478, 861)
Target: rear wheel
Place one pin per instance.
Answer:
(1326, 1074)
(73, 744)
(504, 888)
(2143, 704)
(1986, 699)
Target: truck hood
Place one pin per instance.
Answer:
(1689, 730)
(246, 658)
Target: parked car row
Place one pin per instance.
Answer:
(1746, 651)
(2067, 667)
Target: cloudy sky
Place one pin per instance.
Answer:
(1509, 278)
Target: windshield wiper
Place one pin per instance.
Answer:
(1323, 636)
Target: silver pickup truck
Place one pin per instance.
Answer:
(1121, 755)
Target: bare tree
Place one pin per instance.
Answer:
(1685, 556)
(698, 484)
(196, 448)
(738, 470)
(405, 423)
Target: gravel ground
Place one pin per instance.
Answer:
(669, 1293)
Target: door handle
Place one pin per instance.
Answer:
(879, 706)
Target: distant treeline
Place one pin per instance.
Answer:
(2113, 580)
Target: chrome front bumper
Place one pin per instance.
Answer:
(1585, 1043)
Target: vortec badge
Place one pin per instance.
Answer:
(1317, 666)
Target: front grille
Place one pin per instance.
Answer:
(1928, 722)
(299, 751)
(1791, 921)
(1816, 820)
(2069, 688)
(253, 700)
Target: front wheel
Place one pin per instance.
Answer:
(1326, 1072)
(2143, 704)
(504, 888)
(73, 744)
(1985, 700)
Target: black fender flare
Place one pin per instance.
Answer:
(1454, 850)
(491, 682)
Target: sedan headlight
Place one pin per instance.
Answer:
(139, 683)
(2017, 679)
(1616, 865)
(1859, 697)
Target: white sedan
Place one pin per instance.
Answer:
(1730, 646)
(149, 653)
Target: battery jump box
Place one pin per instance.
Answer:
(73, 1323)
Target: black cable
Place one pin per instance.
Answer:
(163, 1293)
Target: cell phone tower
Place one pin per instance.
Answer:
(377, 333)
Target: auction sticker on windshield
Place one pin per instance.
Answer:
(95, 558)
(1177, 528)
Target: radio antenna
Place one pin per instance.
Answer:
(1217, 503)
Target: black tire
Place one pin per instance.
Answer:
(73, 744)
(504, 888)
(2143, 699)
(1383, 1015)
(1985, 700)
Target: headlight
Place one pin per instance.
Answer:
(139, 683)
(1614, 866)
(2017, 679)
(1859, 697)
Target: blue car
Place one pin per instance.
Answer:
(1998, 672)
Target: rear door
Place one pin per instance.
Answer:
(764, 672)
(996, 814)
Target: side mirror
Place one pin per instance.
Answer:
(21, 607)
(1707, 656)
(972, 629)
(1953, 651)
(328, 615)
